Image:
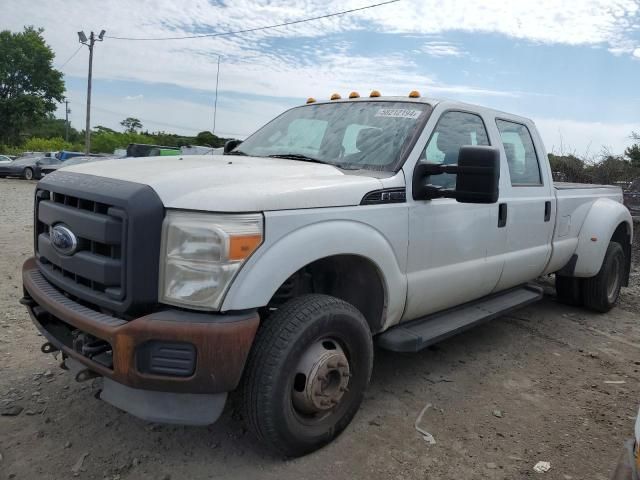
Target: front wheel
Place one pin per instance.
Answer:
(28, 173)
(600, 293)
(307, 373)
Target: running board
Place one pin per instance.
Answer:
(415, 335)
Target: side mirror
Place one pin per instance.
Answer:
(478, 173)
(230, 145)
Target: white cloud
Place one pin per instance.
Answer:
(133, 98)
(586, 139)
(442, 49)
(315, 65)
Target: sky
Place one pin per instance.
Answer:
(571, 66)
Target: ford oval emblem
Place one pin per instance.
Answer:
(63, 239)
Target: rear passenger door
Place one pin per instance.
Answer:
(529, 204)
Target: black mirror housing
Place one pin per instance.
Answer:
(477, 177)
(229, 145)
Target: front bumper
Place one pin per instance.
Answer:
(220, 343)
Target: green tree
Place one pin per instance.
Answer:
(131, 124)
(29, 85)
(50, 127)
(208, 138)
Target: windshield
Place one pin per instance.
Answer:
(352, 135)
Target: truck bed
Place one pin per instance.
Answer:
(574, 201)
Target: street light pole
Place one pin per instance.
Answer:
(89, 42)
(215, 102)
(87, 134)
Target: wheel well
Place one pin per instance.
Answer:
(351, 278)
(622, 235)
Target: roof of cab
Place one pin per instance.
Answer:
(453, 104)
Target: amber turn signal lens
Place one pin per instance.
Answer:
(241, 247)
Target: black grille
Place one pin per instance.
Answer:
(97, 264)
(117, 225)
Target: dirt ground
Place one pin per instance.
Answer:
(548, 383)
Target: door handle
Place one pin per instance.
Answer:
(547, 210)
(502, 215)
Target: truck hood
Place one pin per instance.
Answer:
(235, 183)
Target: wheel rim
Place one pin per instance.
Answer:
(613, 282)
(321, 378)
(28, 174)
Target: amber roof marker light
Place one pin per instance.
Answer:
(374, 94)
(336, 96)
(414, 94)
(354, 95)
(311, 100)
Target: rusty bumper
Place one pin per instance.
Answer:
(221, 341)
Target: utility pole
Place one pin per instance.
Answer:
(89, 42)
(66, 120)
(215, 102)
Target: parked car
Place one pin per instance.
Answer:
(144, 150)
(273, 269)
(27, 168)
(42, 170)
(4, 159)
(66, 155)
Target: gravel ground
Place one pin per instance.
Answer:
(548, 383)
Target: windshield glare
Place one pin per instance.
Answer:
(352, 135)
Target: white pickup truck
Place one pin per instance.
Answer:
(275, 267)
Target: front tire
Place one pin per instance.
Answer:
(307, 373)
(600, 293)
(28, 173)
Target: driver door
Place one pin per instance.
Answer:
(453, 247)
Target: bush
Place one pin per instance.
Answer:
(35, 144)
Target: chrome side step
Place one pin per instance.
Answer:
(417, 334)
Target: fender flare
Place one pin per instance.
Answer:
(601, 222)
(273, 263)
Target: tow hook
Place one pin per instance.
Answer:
(48, 348)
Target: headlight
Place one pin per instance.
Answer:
(201, 253)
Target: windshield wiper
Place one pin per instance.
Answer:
(305, 158)
(297, 156)
(236, 152)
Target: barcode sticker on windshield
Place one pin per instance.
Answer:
(398, 113)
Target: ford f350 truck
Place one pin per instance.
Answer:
(274, 269)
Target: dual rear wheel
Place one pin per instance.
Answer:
(601, 292)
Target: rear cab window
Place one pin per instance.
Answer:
(522, 159)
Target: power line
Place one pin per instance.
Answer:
(256, 29)
(71, 57)
(164, 124)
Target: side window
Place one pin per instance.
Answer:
(524, 168)
(453, 130)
